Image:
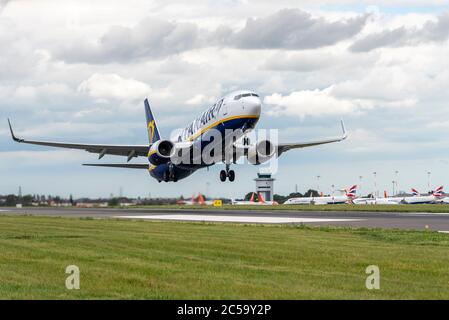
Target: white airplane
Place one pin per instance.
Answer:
(245, 203)
(195, 201)
(203, 202)
(384, 201)
(251, 201)
(219, 131)
(445, 200)
(419, 199)
(267, 203)
(349, 196)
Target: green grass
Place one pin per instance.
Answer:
(174, 260)
(431, 208)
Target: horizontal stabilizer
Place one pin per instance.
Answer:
(118, 165)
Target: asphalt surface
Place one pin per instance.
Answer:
(415, 221)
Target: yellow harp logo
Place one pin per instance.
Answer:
(151, 130)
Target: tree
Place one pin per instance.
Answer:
(11, 200)
(113, 202)
(248, 196)
(311, 193)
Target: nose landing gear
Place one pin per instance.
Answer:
(227, 174)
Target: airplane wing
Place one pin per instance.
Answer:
(130, 151)
(283, 147)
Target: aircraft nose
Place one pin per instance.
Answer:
(253, 106)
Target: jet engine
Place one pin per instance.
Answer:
(161, 152)
(261, 152)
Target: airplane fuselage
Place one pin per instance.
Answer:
(318, 200)
(237, 113)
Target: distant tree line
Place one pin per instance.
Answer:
(281, 199)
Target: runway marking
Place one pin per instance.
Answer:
(251, 219)
(443, 232)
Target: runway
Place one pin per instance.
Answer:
(411, 221)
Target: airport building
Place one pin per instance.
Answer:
(265, 185)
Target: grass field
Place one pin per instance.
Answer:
(432, 208)
(174, 260)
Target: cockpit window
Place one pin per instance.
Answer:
(238, 97)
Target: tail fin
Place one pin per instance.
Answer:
(201, 199)
(352, 192)
(439, 192)
(252, 197)
(153, 132)
(261, 200)
(415, 192)
(385, 194)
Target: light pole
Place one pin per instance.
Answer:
(318, 183)
(360, 184)
(376, 193)
(207, 189)
(397, 182)
(428, 180)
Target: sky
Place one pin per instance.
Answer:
(78, 71)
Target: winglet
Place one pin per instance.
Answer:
(12, 133)
(343, 128)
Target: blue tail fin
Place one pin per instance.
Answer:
(153, 132)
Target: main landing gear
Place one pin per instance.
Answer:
(227, 174)
(170, 175)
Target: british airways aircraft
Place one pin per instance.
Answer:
(221, 127)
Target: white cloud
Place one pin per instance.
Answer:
(112, 86)
(328, 102)
(308, 103)
(199, 99)
(431, 31)
(155, 38)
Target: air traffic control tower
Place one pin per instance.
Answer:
(264, 185)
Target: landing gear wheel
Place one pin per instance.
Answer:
(231, 175)
(223, 176)
(166, 177)
(171, 173)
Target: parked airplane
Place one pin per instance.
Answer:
(199, 201)
(243, 202)
(349, 196)
(445, 200)
(384, 201)
(232, 117)
(203, 202)
(419, 199)
(191, 202)
(252, 202)
(267, 203)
